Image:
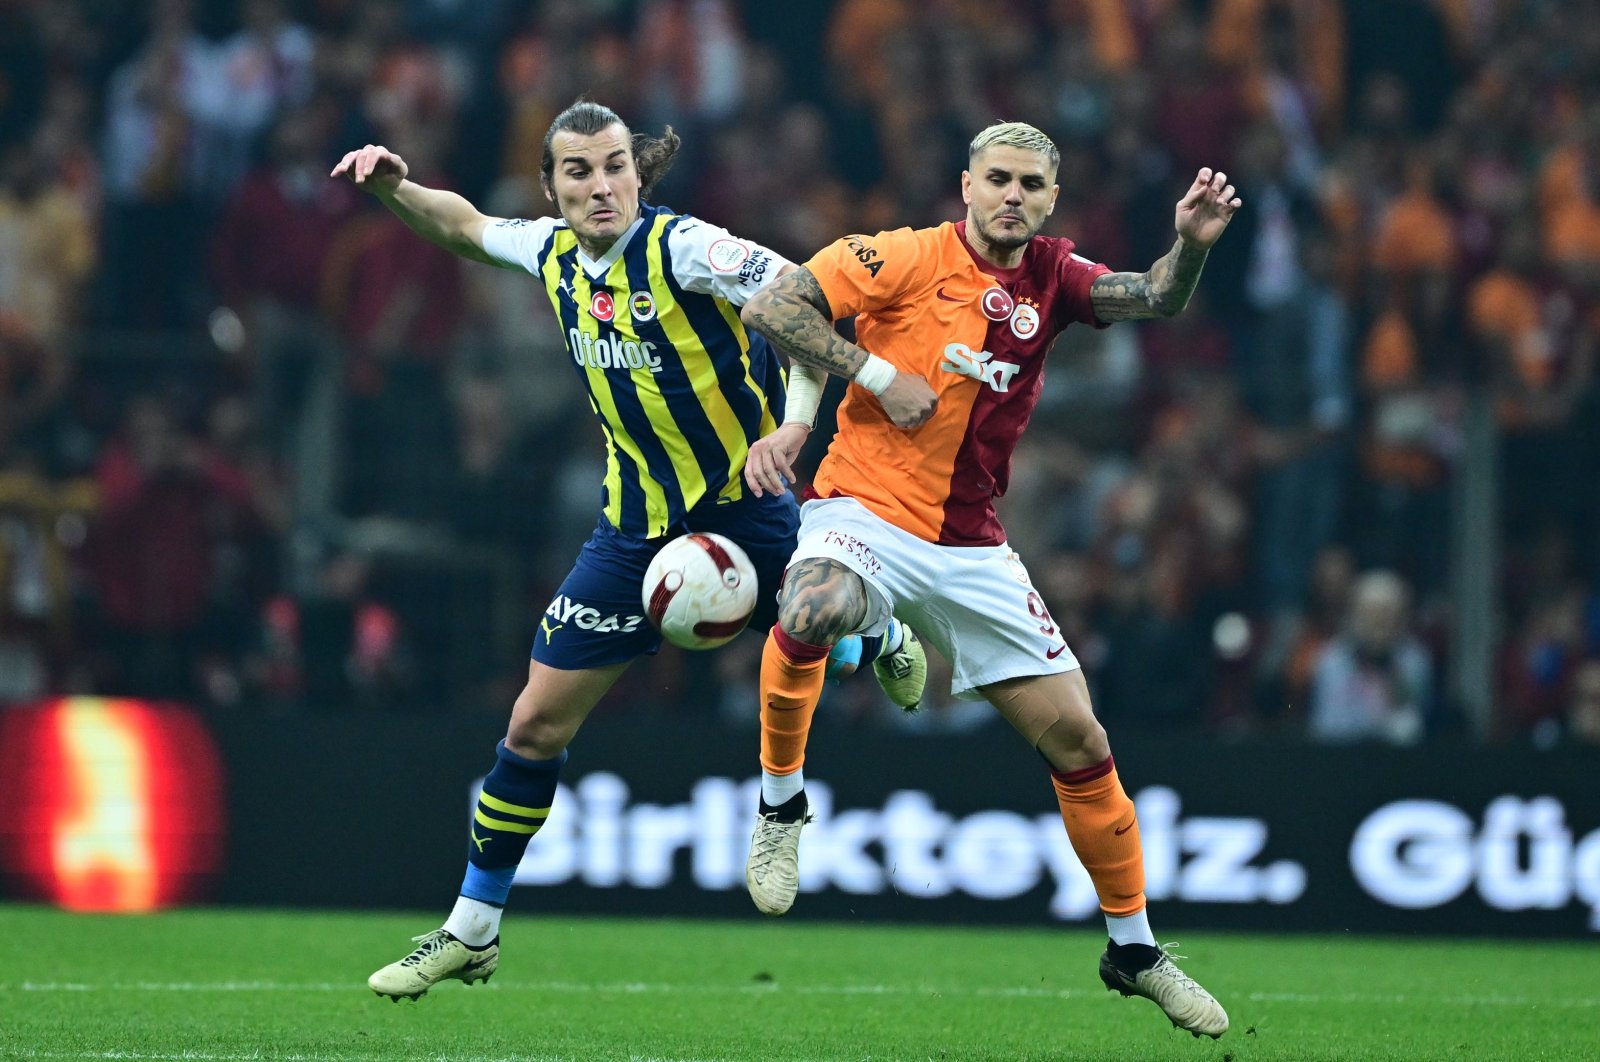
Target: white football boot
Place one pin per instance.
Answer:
(438, 956)
(772, 873)
(1144, 970)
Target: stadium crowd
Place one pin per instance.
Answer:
(262, 448)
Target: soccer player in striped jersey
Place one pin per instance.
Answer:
(904, 517)
(648, 302)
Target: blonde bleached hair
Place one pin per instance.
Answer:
(1017, 135)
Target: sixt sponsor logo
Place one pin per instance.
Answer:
(980, 365)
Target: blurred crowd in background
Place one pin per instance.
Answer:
(263, 449)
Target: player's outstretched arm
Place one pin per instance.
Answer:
(438, 216)
(795, 316)
(1201, 217)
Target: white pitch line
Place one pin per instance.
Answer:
(1580, 1003)
(574, 987)
(771, 987)
(257, 1056)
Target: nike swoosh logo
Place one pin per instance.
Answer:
(1057, 651)
(948, 298)
(1126, 828)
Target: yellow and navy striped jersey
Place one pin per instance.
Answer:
(680, 387)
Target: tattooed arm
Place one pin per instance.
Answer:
(1162, 292)
(794, 315)
(1202, 215)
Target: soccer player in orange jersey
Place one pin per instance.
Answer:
(953, 324)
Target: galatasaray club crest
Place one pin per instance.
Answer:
(1025, 320)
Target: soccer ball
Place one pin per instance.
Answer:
(700, 590)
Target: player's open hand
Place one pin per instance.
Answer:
(770, 467)
(373, 168)
(908, 400)
(1206, 208)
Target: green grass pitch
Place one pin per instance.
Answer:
(208, 986)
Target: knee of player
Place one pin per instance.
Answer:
(1090, 736)
(535, 732)
(816, 616)
(1071, 740)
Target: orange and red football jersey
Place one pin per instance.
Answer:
(978, 334)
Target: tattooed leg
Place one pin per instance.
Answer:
(821, 601)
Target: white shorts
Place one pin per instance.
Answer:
(975, 604)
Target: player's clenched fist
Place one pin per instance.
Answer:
(373, 168)
(908, 400)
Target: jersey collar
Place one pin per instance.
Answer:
(597, 268)
(1004, 276)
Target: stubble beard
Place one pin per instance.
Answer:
(1010, 241)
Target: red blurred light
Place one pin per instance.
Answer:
(101, 849)
(109, 805)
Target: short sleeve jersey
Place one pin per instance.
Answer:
(679, 386)
(925, 302)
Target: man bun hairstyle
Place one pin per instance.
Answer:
(652, 156)
(1017, 135)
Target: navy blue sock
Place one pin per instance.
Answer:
(514, 803)
(871, 646)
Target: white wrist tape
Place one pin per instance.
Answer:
(804, 395)
(876, 374)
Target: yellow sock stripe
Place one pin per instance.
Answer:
(496, 804)
(506, 824)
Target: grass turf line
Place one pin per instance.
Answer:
(225, 985)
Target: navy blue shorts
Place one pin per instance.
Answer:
(597, 617)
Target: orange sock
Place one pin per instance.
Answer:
(792, 673)
(1104, 834)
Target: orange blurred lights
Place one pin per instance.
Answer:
(108, 805)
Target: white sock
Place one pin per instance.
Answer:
(778, 788)
(1130, 929)
(474, 922)
(893, 638)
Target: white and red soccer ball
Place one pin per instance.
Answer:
(700, 590)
